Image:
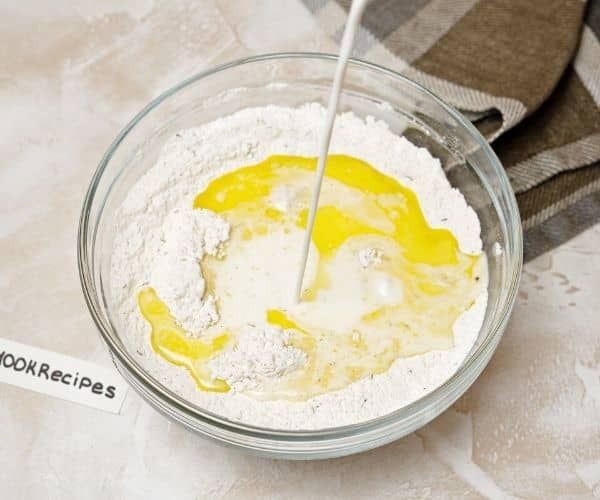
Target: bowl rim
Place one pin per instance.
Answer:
(452, 388)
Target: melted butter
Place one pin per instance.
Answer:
(169, 340)
(247, 189)
(352, 323)
(332, 228)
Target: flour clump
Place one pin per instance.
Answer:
(369, 257)
(261, 353)
(176, 275)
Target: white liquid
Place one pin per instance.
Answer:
(256, 273)
(356, 11)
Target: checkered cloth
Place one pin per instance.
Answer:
(527, 72)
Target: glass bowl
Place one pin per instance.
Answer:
(290, 80)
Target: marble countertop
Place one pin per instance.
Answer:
(71, 75)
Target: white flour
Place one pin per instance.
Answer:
(160, 240)
(261, 353)
(369, 257)
(175, 273)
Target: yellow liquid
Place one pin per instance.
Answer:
(360, 207)
(169, 340)
(246, 190)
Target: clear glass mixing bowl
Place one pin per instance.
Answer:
(290, 80)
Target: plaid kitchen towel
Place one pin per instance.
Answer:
(527, 72)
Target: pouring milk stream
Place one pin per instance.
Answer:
(354, 16)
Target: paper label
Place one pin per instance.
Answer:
(61, 376)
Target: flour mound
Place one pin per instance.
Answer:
(176, 275)
(369, 257)
(260, 354)
(150, 237)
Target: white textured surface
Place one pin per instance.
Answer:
(528, 427)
